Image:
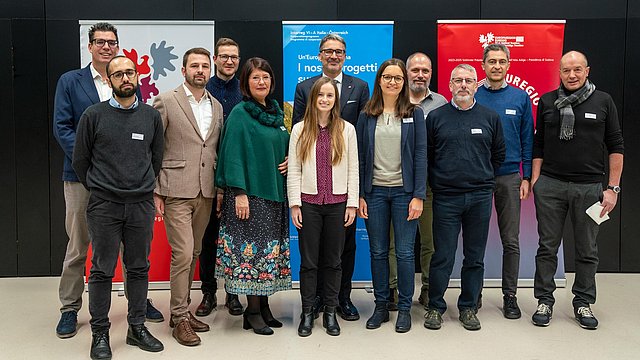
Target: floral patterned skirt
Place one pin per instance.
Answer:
(253, 254)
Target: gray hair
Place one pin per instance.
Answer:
(496, 47)
(335, 37)
(465, 67)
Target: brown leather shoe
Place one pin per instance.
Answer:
(196, 325)
(184, 334)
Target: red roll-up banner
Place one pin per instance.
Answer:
(535, 46)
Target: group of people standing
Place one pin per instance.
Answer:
(213, 158)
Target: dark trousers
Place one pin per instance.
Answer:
(111, 224)
(507, 202)
(555, 199)
(208, 255)
(470, 212)
(322, 232)
(348, 262)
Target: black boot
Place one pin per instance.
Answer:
(306, 322)
(330, 322)
(254, 321)
(100, 348)
(139, 336)
(266, 313)
(379, 316)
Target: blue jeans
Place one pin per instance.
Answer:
(386, 205)
(470, 212)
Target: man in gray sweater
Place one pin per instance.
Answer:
(117, 156)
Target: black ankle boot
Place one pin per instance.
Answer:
(306, 322)
(330, 322)
(139, 336)
(379, 316)
(254, 321)
(266, 313)
(100, 349)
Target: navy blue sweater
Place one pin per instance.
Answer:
(514, 107)
(463, 148)
(226, 92)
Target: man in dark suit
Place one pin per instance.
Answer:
(354, 94)
(75, 92)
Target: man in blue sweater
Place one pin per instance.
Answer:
(464, 148)
(514, 107)
(225, 87)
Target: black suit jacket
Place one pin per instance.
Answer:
(354, 94)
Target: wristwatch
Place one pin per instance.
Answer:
(616, 189)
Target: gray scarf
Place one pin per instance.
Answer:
(566, 103)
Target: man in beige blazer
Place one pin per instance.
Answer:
(185, 191)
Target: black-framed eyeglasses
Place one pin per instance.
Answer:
(103, 42)
(398, 79)
(459, 81)
(225, 58)
(118, 75)
(329, 52)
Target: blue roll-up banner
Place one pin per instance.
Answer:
(369, 44)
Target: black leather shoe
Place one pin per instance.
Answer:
(403, 323)
(510, 307)
(254, 321)
(348, 311)
(330, 322)
(208, 304)
(318, 306)
(139, 336)
(306, 322)
(268, 318)
(233, 304)
(100, 348)
(379, 316)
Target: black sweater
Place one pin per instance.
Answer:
(464, 148)
(597, 134)
(118, 152)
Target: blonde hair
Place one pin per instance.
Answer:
(309, 134)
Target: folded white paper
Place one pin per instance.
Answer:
(594, 212)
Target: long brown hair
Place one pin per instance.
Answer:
(310, 129)
(375, 105)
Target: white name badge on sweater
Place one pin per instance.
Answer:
(407, 120)
(589, 116)
(136, 136)
(509, 111)
(283, 128)
(476, 131)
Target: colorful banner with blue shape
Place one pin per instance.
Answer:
(369, 44)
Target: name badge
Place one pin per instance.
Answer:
(589, 116)
(476, 131)
(283, 128)
(136, 136)
(407, 120)
(509, 111)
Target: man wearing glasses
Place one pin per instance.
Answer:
(465, 146)
(117, 156)
(185, 190)
(225, 87)
(514, 107)
(75, 92)
(354, 94)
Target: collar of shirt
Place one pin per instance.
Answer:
(219, 82)
(102, 86)
(337, 79)
(192, 98)
(461, 109)
(113, 102)
(488, 86)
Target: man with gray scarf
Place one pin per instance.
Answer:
(577, 126)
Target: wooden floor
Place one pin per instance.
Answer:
(30, 313)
